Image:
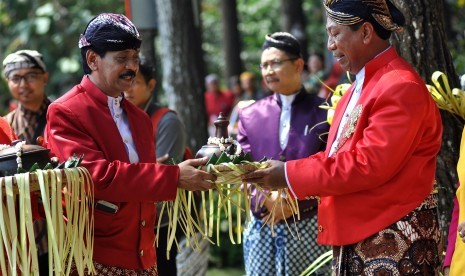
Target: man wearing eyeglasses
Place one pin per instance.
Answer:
(27, 76)
(281, 127)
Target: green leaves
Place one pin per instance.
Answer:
(72, 162)
(224, 158)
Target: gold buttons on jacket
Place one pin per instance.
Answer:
(143, 223)
(320, 228)
(141, 253)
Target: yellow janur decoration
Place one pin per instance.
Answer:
(451, 100)
(68, 241)
(335, 98)
(230, 197)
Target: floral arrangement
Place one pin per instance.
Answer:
(234, 150)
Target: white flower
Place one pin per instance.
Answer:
(221, 141)
(238, 148)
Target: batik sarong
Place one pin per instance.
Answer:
(103, 270)
(410, 246)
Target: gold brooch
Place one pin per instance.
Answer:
(352, 121)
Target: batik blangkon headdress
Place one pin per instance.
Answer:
(351, 12)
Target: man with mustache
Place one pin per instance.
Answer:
(27, 76)
(281, 127)
(378, 206)
(116, 139)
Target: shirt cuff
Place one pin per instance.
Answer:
(287, 181)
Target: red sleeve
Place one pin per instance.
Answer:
(7, 134)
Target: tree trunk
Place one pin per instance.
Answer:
(231, 41)
(423, 44)
(147, 48)
(183, 65)
(293, 21)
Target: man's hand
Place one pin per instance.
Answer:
(271, 178)
(193, 179)
(461, 230)
(282, 210)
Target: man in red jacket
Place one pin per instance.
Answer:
(116, 138)
(375, 180)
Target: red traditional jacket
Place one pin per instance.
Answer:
(80, 122)
(386, 167)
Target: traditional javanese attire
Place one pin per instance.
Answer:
(258, 134)
(28, 126)
(381, 174)
(80, 122)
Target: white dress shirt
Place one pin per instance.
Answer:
(285, 119)
(360, 78)
(122, 124)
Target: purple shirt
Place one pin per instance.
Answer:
(259, 134)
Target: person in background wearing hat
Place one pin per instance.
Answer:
(27, 76)
(375, 181)
(116, 139)
(216, 101)
(281, 127)
(170, 142)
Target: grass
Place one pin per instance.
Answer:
(225, 272)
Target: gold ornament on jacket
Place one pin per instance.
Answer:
(350, 125)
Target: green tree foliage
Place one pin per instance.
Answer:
(455, 15)
(256, 19)
(52, 28)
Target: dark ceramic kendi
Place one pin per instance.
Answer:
(30, 154)
(221, 125)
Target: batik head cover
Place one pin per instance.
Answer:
(23, 59)
(111, 32)
(283, 41)
(350, 12)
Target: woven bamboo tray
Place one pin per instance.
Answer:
(227, 175)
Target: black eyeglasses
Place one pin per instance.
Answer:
(29, 78)
(274, 64)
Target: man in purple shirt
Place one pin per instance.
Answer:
(284, 126)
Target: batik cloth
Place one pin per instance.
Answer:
(410, 246)
(27, 124)
(103, 270)
(282, 254)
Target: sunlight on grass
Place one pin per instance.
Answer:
(225, 272)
